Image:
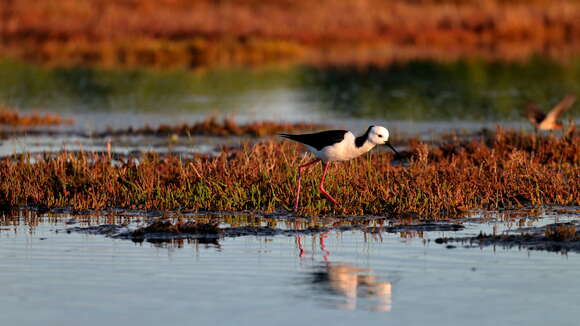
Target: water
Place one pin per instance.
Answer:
(414, 99)
(467, 90)
(339, 278)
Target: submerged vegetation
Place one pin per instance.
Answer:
(493, 171)
(205, 32)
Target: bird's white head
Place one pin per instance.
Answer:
(378, 135)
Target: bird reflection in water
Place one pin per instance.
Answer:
(353, 286)
(351, 283)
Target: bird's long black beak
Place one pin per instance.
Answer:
(394, 150)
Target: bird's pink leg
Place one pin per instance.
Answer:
(302, 167)
(321, 187)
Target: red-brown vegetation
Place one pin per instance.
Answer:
(12, 117)
(206, 32)
(211, 126)
(500, 170)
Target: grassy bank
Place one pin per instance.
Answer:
(503, 169)
(205, 32)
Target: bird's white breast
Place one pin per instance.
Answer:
(342, 151)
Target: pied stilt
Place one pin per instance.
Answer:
(337, 145)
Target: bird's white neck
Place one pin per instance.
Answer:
(367, 146)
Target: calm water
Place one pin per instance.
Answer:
(421, 99)
(338, 278)
(470, 90)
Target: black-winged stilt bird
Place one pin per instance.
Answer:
(337, 145)
(549, 121)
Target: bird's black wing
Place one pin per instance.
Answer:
(318, 140)
(533, 113)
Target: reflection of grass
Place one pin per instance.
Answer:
(27, 85)
(418, 90)
(423, 90)
(500, 170)
(204, 32)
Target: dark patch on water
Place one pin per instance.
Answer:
(423, 227)
(556, 237)
(160, 235)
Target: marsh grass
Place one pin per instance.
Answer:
(12, 117)
(505, 169)
(212, 126)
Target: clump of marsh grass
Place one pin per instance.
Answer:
(503, 169)
(10, 116)
(211, 126)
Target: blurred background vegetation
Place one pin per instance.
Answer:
(398, 59)
(217, 32)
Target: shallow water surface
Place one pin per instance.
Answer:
(336, 277)
(464, 90)
(412, 99)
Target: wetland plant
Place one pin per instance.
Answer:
(504, 169)
(182, 33)
(11, 117)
